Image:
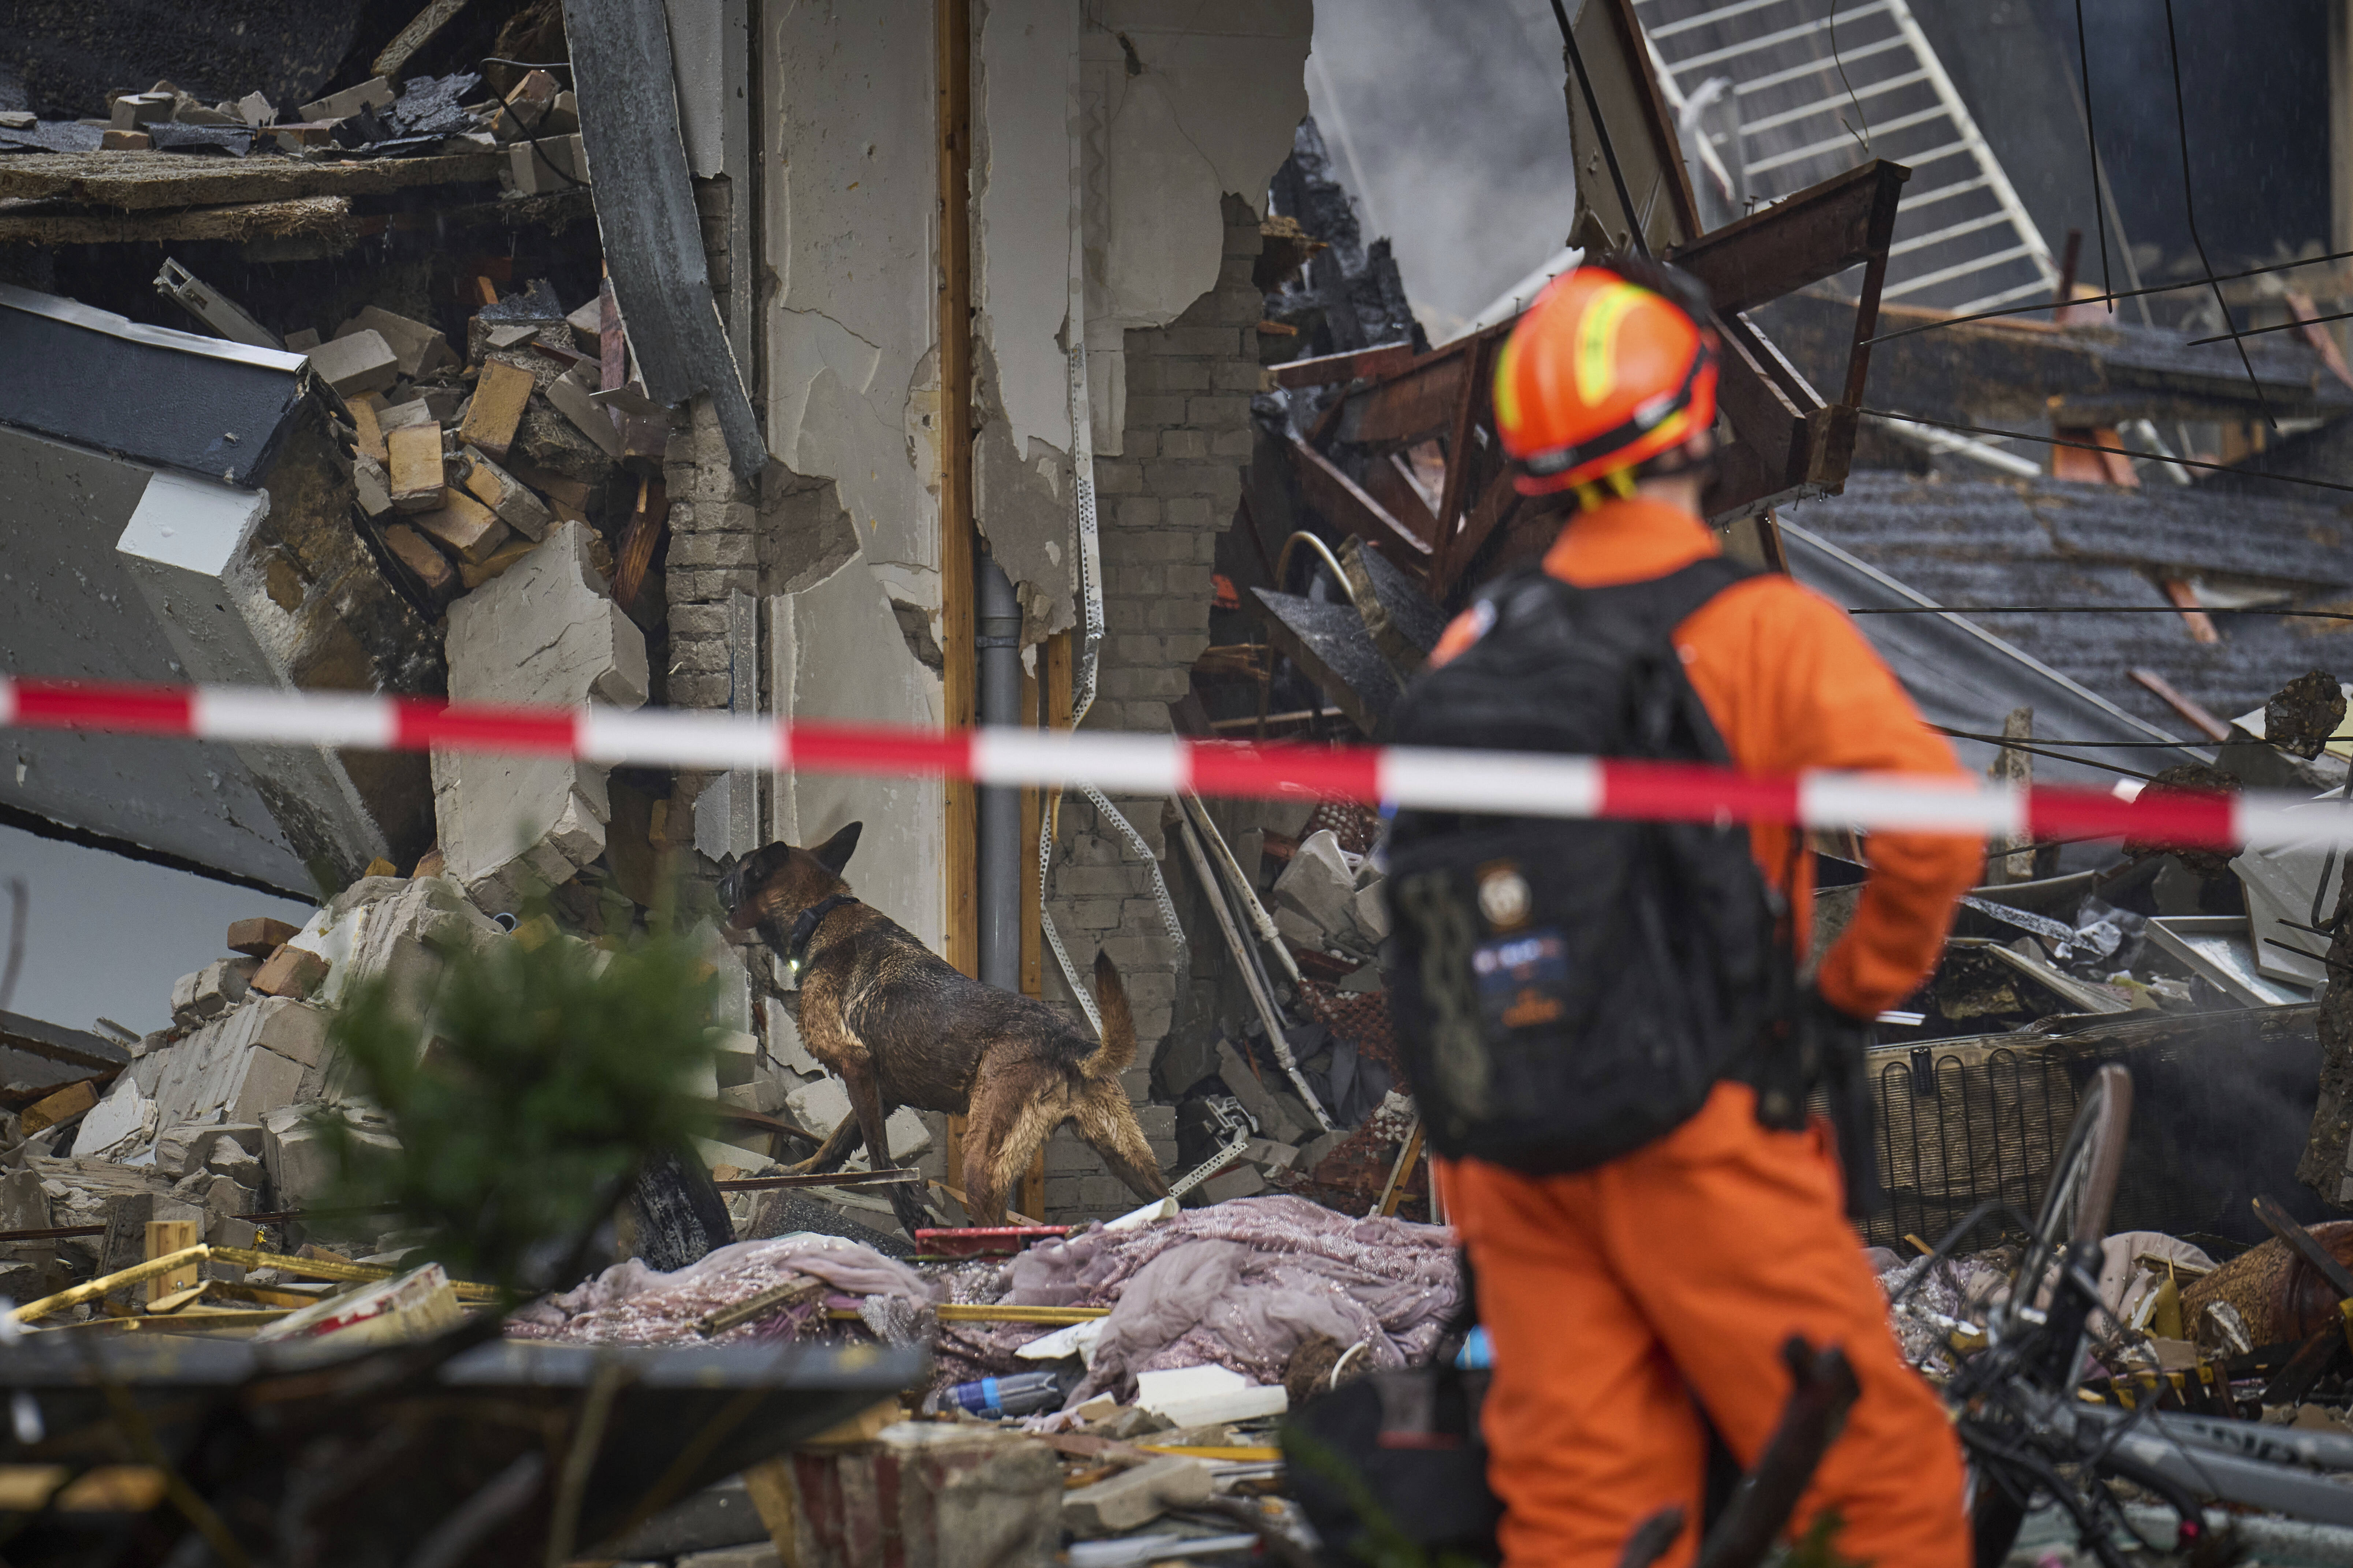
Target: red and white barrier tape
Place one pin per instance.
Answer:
(1518, 783)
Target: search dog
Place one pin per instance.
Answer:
(901, 1027)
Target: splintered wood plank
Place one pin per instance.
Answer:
(140, 180)
(327, 219)
(500, 397)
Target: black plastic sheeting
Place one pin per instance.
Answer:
(207, 407)
(645, 212)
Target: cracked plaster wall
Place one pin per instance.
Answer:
(1198, 103)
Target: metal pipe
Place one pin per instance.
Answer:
(1259, 920)
(998, 670)
(1268, 1014)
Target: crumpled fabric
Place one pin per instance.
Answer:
(632, 1304)
(1242, 1284)
(1960, 1290)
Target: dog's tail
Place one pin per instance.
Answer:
(1118, 1051)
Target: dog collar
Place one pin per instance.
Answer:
(797, 940)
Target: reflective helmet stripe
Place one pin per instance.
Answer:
(1597, 340)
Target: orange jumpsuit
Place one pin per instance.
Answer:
(1622, 1300)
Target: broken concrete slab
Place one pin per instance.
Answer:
(361, 362)
(420, 349)
(236, 1069)
(1319, 883)
(574, 403)
(375, 93)
(211, 991)
(545, 632)
(296, 1153)
(124, 1116)
(1135, 1496)
(1370, 911)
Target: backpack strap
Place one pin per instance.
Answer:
(1665, 602)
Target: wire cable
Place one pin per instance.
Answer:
(2276, 327)
(1863, 136)
(2092, 147)
(1600, 130)
(2089, 610)
(2111, 295)
(2190, 209)
(2119, 451)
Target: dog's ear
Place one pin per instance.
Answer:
(835, 852)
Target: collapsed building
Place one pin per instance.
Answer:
(753, 361)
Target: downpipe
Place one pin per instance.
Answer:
(997, 646)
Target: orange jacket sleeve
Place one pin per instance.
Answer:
(1794, 685)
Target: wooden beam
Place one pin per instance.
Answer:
(952, 55)
(1816, 234)
(1473, 400)
(1363, 363)
(1344, 504)
(142, 181)
(415, 36)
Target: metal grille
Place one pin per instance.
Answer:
(1783, 118)
(2219, 1114)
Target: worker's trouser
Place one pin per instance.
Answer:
(1617, 1298)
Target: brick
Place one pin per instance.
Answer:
(367, 430)
(1176, 615)
(416, 471)
(1239, 444)
(1066, 1156)
(258, 936)
(699, 621)
(548, 164)
(361, 362)
(1244, 240)
(1185, 443)
(292, 971)
(1140, 512)
(504, 494)
(712, 585)
(1237, 269)
(1155, 408)
(1191, 513)
(410, 549)
(1103, 1192)
(500, 397)
(713, 550)
(470, 530)
(1118, 479)
(1062, 1192)
(124, 142)
(1129, 684)
(1204, 342)
(698, 656)
(1158, 1121)
(700, 691)
(1091, 914)
(1218, 411)
(1242, 306)
(1093, 881)
(1238, 375)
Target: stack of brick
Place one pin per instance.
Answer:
(711, 577)
(1163, 501)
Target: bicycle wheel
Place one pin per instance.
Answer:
(2082, 1189)
(2042, 1311)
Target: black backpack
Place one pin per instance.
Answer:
(1564, 991)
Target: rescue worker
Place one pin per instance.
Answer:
(1633, 1304)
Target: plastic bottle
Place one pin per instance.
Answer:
(990, 1399)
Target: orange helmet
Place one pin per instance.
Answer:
(1601, 375)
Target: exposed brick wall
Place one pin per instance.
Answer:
(1161, 504)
